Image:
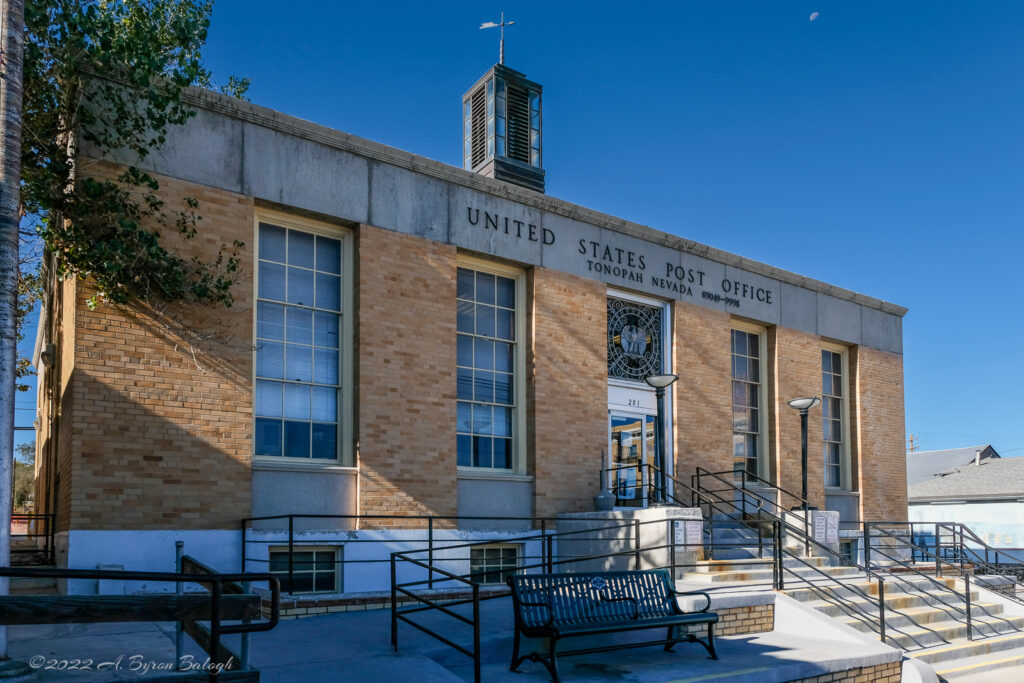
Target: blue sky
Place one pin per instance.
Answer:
(878, 147)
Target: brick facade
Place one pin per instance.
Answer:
(405, 374)
(890, 672)
(794, 370)
(703, 408)
(155, 406)
(154, 427)
(567, 389)
(878, 423)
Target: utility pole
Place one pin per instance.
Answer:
(912, 444)
(13, 36)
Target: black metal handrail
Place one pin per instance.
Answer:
(939, 563)
(429, 524)
(744, 476)
(963, 552)
(46, 520)
(425, 603)
(217, 584)
(744, 492)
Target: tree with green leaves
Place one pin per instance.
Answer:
(109, 75)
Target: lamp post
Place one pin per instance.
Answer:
(660, 384)
(804, 405)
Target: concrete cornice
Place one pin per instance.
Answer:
(290, 125)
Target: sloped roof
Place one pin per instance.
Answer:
(924, 465)
(993, 478)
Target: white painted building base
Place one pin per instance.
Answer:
(146, 551)
(364, 554)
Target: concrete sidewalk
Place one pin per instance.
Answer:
(355, 646)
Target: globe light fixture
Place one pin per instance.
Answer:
(803, 405)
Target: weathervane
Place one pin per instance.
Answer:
(502, 25)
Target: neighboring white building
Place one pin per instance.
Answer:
(987, 495)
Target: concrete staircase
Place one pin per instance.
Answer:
(926, 621)
(757, 573)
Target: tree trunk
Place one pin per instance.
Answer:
(10, 178)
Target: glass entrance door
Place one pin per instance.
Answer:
(631, 454)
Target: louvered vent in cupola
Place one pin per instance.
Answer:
(502, 128)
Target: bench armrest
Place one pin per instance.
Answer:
(545, 604)
(680, 594)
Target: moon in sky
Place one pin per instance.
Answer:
(814, 15)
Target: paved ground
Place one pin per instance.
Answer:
(355, 646)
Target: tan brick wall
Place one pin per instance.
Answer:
(794, 367)
(880, 426)
(735, 621)
(405, 374)
(155, 423)
(567, 390)
(890, 672)
(703, 403)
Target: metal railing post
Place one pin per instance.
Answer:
(394, 606)
(636, 544)
(672, 546)
(179, 588)
(243, 547)
(544, 543)
(777, 555)
(430, 551)
(215, 589)
(967, 600)
(246, 587)
(881, 608)
(711, 532)
(938, 564)
(476, 632)
(743, 494)
(291, 554)
(549, 541)
(867, 545)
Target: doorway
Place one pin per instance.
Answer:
(631, 457)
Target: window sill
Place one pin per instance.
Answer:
(840, 492)
(292, 466)
(493, 476)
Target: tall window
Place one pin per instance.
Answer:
(298, 344)
(746, 401)
(487, 358)
(832, 410)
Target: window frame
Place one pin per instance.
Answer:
(845, 473)
(339, 563)
(517, 547)
(763, 457)
(344, 456)
(518, 451)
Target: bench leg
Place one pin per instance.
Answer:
(710, 644)
(671, 636)
(516, 659)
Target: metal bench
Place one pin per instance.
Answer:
(556, 606)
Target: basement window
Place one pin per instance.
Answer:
(491, 564)
(314, 570)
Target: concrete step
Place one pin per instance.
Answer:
(925, 615)
(941, 657)
(729, 565)
(905, 603)
(969, 666)
(857, 589)
(764, 575)
(950, 632)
